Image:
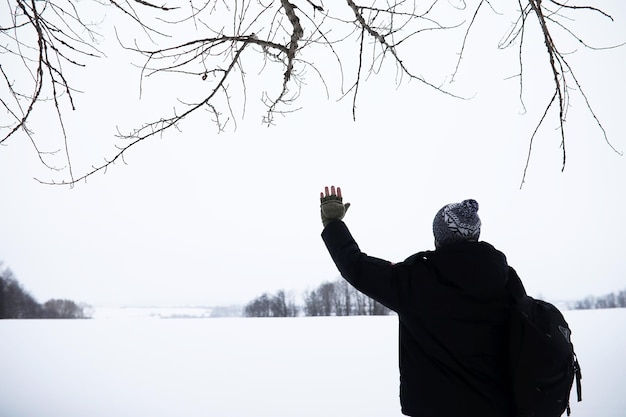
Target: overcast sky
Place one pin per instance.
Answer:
(197, 218)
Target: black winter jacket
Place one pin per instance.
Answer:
(453, 310)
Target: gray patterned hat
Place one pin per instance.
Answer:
(457, 222)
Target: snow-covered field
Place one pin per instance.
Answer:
(327, 366)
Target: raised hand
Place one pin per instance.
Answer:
(331, 205)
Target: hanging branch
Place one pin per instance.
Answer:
(282, 42)
(562, 73)
(290, 39)
(54, 24)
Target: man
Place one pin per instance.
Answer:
(453, 310)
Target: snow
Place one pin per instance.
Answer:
(151, 312)
(308, 366)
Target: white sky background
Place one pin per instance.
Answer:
(203, 218)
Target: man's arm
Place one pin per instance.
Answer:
(374, 277)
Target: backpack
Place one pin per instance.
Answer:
(542, 361)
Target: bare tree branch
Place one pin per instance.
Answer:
(561, 73)
(212, 44)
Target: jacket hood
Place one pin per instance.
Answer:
(477, 268)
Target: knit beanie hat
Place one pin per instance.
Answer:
(457, 222)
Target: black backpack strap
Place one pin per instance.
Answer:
(579, 388)
(579, 376)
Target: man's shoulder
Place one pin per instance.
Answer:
(422, 256)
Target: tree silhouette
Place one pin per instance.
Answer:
(268, 305)
(339, 298)
(17, 303)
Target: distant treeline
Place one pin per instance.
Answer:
(339, 298)
(612, 300)
(336, 298)
(17, 303)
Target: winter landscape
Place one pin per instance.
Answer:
(128, 365)
(213, 214)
